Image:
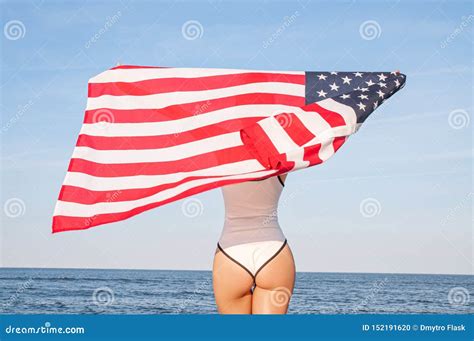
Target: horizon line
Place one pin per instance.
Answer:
(194, 270)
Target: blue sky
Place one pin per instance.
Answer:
(412, 158)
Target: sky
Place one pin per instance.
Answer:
(397, 197)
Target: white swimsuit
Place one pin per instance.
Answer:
(252, 236)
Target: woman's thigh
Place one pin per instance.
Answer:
(274, 285)
(232, 286)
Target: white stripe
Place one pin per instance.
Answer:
(297, 157)
(183, 124)
(278, 136)
(64, 208)
(172, 153)
(326, 150)
(330, 134)
(158, 101)
(313, 121)
(135, 75)
(96, 183)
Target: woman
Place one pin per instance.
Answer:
(254, 270)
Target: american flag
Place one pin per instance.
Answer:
(156, 135)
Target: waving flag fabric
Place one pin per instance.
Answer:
(156, 135)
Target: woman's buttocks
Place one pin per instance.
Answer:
(251, 212)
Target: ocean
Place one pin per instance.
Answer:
(91, 291)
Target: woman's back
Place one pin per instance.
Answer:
(251, 212)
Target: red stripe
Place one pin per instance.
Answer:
(66, 223)
(164, 85)
(178, 111)
(333, 118)
(311, 154)
(162, 141)
(84, 196)
(338, 142)
(260, 146)
(201, 161)
(138, 67)
(295, 128)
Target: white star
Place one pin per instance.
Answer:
(358, 74)
(382, 77)
(370, 83)
(344, 96)
(346, 80)
(322, 93)
(397, 83)
(322, 77)
(363, 96)
(333, 73)
(364, 89)
(382, 85)
(358, 88)
(334, 87)
(376, 104)
(361, 106)
(394, 73)
(380, 93)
